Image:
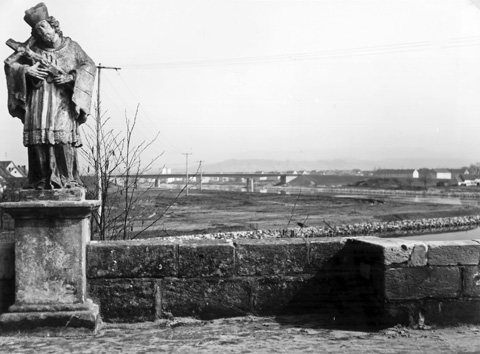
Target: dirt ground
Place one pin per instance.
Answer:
(251, 335)
(213, 211)
(210, 211)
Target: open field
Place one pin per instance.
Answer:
(217, 211)
(220, 211)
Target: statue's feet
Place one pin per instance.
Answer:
(71, 184)
(41, 185)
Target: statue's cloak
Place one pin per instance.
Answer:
(51, 113)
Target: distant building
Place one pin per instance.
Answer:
(9, 169)
(3, 181)
(393, 173)
(443, 174)
(467, 180)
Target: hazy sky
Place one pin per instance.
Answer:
(277, 79)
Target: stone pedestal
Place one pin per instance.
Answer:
(52, 229)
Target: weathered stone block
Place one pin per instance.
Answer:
(7, 260)
(471, 281)
(50, 261)
(278, 294)
(270, 257)
(206, 258)
(431, 312)
(50, 246)
(359, 249)
(391, 251)
(451, 312)
(322, 251)
(320, 293)
(131, 259)
(405, 312)
(418, 257)
(446, 253)
(56, 322)
(124, 300)
(64, 194)
(204, 298)
(422, 282)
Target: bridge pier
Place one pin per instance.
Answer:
(250, 185)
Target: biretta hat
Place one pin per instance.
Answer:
(36, 14)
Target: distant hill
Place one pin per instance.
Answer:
(252, 165)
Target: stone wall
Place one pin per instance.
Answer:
(413, 282)
(142, 280)
(350, 281)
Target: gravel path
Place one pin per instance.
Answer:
(251, 335)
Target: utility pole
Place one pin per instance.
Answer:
(201, 177)
(186, 170)
(98, 187)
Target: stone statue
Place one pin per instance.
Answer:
(50, 81)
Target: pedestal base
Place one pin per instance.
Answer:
(52, 229)
(52, 323)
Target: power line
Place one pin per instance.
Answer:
(165, 141)
(283, 57)
(167, 145)
(165, 149)
(317, 55)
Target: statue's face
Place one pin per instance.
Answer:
(46, 32)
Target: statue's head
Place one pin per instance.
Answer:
(44, 27)
(47, 31)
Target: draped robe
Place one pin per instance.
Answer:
(51, 113)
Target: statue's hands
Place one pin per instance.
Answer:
(63, 79)
(37, 71)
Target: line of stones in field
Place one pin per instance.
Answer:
(395, 192)
(394, 228)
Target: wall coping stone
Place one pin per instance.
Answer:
(396, 251)
(445, 253)
(124, 259)
(206, 258)
(205, 242)
(270, 241)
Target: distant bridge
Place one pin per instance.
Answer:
(218, 174)
(250, 177)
